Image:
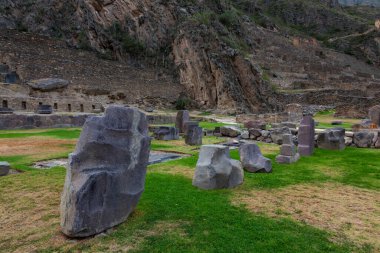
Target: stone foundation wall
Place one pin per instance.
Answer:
(266, 118)
(59, 105)
(27, 121)
(23, 121)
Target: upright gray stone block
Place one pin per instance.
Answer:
(193, 135)
(306, 133)
(106, 173)
(166, 133)
(182, 117)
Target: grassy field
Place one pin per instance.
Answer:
(325, 203)
(325, 119)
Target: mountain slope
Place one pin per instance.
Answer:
(233, 56)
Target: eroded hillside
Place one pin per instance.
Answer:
(235, 56)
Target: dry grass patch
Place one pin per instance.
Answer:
(174, 170)
(347, 211)
(36, 147)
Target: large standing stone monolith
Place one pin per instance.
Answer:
(182, 117)
(288, 152)
(332, 139)
(306, 133)
(253, 160)
(216, 170)
(106, 173)
(193, 135)
(374, 114)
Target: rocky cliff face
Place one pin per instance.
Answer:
(219, 51)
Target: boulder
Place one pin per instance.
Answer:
(166, 133)
(306, 134)
(277, 133)
(255, 124)
(106, 173)
(374, 114)
(216, 170)
(253, 160)
(182, 117)
(230, 131)
(332, 139)
(288, 151)
(4, 168)
(193, 135)
(44, 109)
(363, 139)
(255, 132)
(48, 84)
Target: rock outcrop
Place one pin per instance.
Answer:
(106, 173)
(48, 84)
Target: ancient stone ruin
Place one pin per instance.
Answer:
(193, 135)
(106, 173)
(253, 160)
(4, 168)
(45, 109)
(332, 139)
(166, 133)
(216, 170)
(182, 117)
(306, 133)
(363, 139)
(288, 152)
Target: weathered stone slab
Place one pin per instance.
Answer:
(216, 170)
(182, 117)
(4, 168)
(48, 84)
(190, 124)
(166, 133)
(332, 139)
(194, 135)
(306, 133)
(106, 173)
(253, 160)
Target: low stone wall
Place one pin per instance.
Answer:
(267, 118)
(160, 119)
(25, 121)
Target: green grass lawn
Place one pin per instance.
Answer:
(174, 216)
